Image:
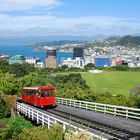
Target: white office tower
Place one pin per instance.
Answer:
(77, 62)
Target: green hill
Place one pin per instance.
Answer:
(129, 40)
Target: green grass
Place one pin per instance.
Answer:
(115, 82)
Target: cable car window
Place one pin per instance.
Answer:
(37, 93)
(44, 93)
(49, 93)
(29, 92)
(53, 93)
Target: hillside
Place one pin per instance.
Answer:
(126, 41)
(129, 41)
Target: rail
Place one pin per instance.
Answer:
(127, 112)
(46, 119)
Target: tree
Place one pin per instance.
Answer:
(21, 70)
(32, 79)
(4, 66)
(89, 66)
(15, 128)
(41, 133)
(8, 84)
(4, 109)
(64, 67)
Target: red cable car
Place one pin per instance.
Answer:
(39, 96)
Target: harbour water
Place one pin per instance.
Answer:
(21, 50)
(30, 52)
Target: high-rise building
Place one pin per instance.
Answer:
(78, 52)
(51, 59)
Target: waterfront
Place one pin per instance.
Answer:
(21, 50)
(30, 52)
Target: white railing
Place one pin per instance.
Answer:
(127, 112)
(46, 119)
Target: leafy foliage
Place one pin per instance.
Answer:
(41, 133)
(4, 66)
(4, 109)
(78, 136)
(14, 128)
(67, 85)
(8, 83)
(121, 100)
(89, 66)
(21, 70)
(74, 78)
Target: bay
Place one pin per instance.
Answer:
(12, 50)
(21, 50)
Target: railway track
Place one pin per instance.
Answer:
(94, 125)
(117, 133)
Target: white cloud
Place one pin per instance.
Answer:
(51, 25)
(26, 5)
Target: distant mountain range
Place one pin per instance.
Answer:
(97, 40)
(126, 41)
(30, 40)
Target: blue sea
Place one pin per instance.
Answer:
(30, 52)
(21, 50)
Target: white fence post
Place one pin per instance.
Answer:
(37, 117)
(42, 119)
(86, 106)
(29, 113)
(32, 115)
(48, 122)
(80, 105)
(104, 109)
(64, 127)
(126, 113)
(95, 108)
(74, 103)
(115, 112)
(26, 111)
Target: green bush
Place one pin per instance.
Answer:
(14, 128)
(4, 109)
(41, 133)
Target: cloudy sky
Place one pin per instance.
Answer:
(69, 17)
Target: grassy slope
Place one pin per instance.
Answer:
(115, 82)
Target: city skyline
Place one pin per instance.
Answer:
(74, 17)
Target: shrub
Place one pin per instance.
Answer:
(41, 133)
(14, 128)
(4, 109)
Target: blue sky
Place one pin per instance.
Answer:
(118, 8)
(69, 17)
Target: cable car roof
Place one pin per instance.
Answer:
(38, 88)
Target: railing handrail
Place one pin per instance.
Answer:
(128, 112)
(41, 114)
(121, 107)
